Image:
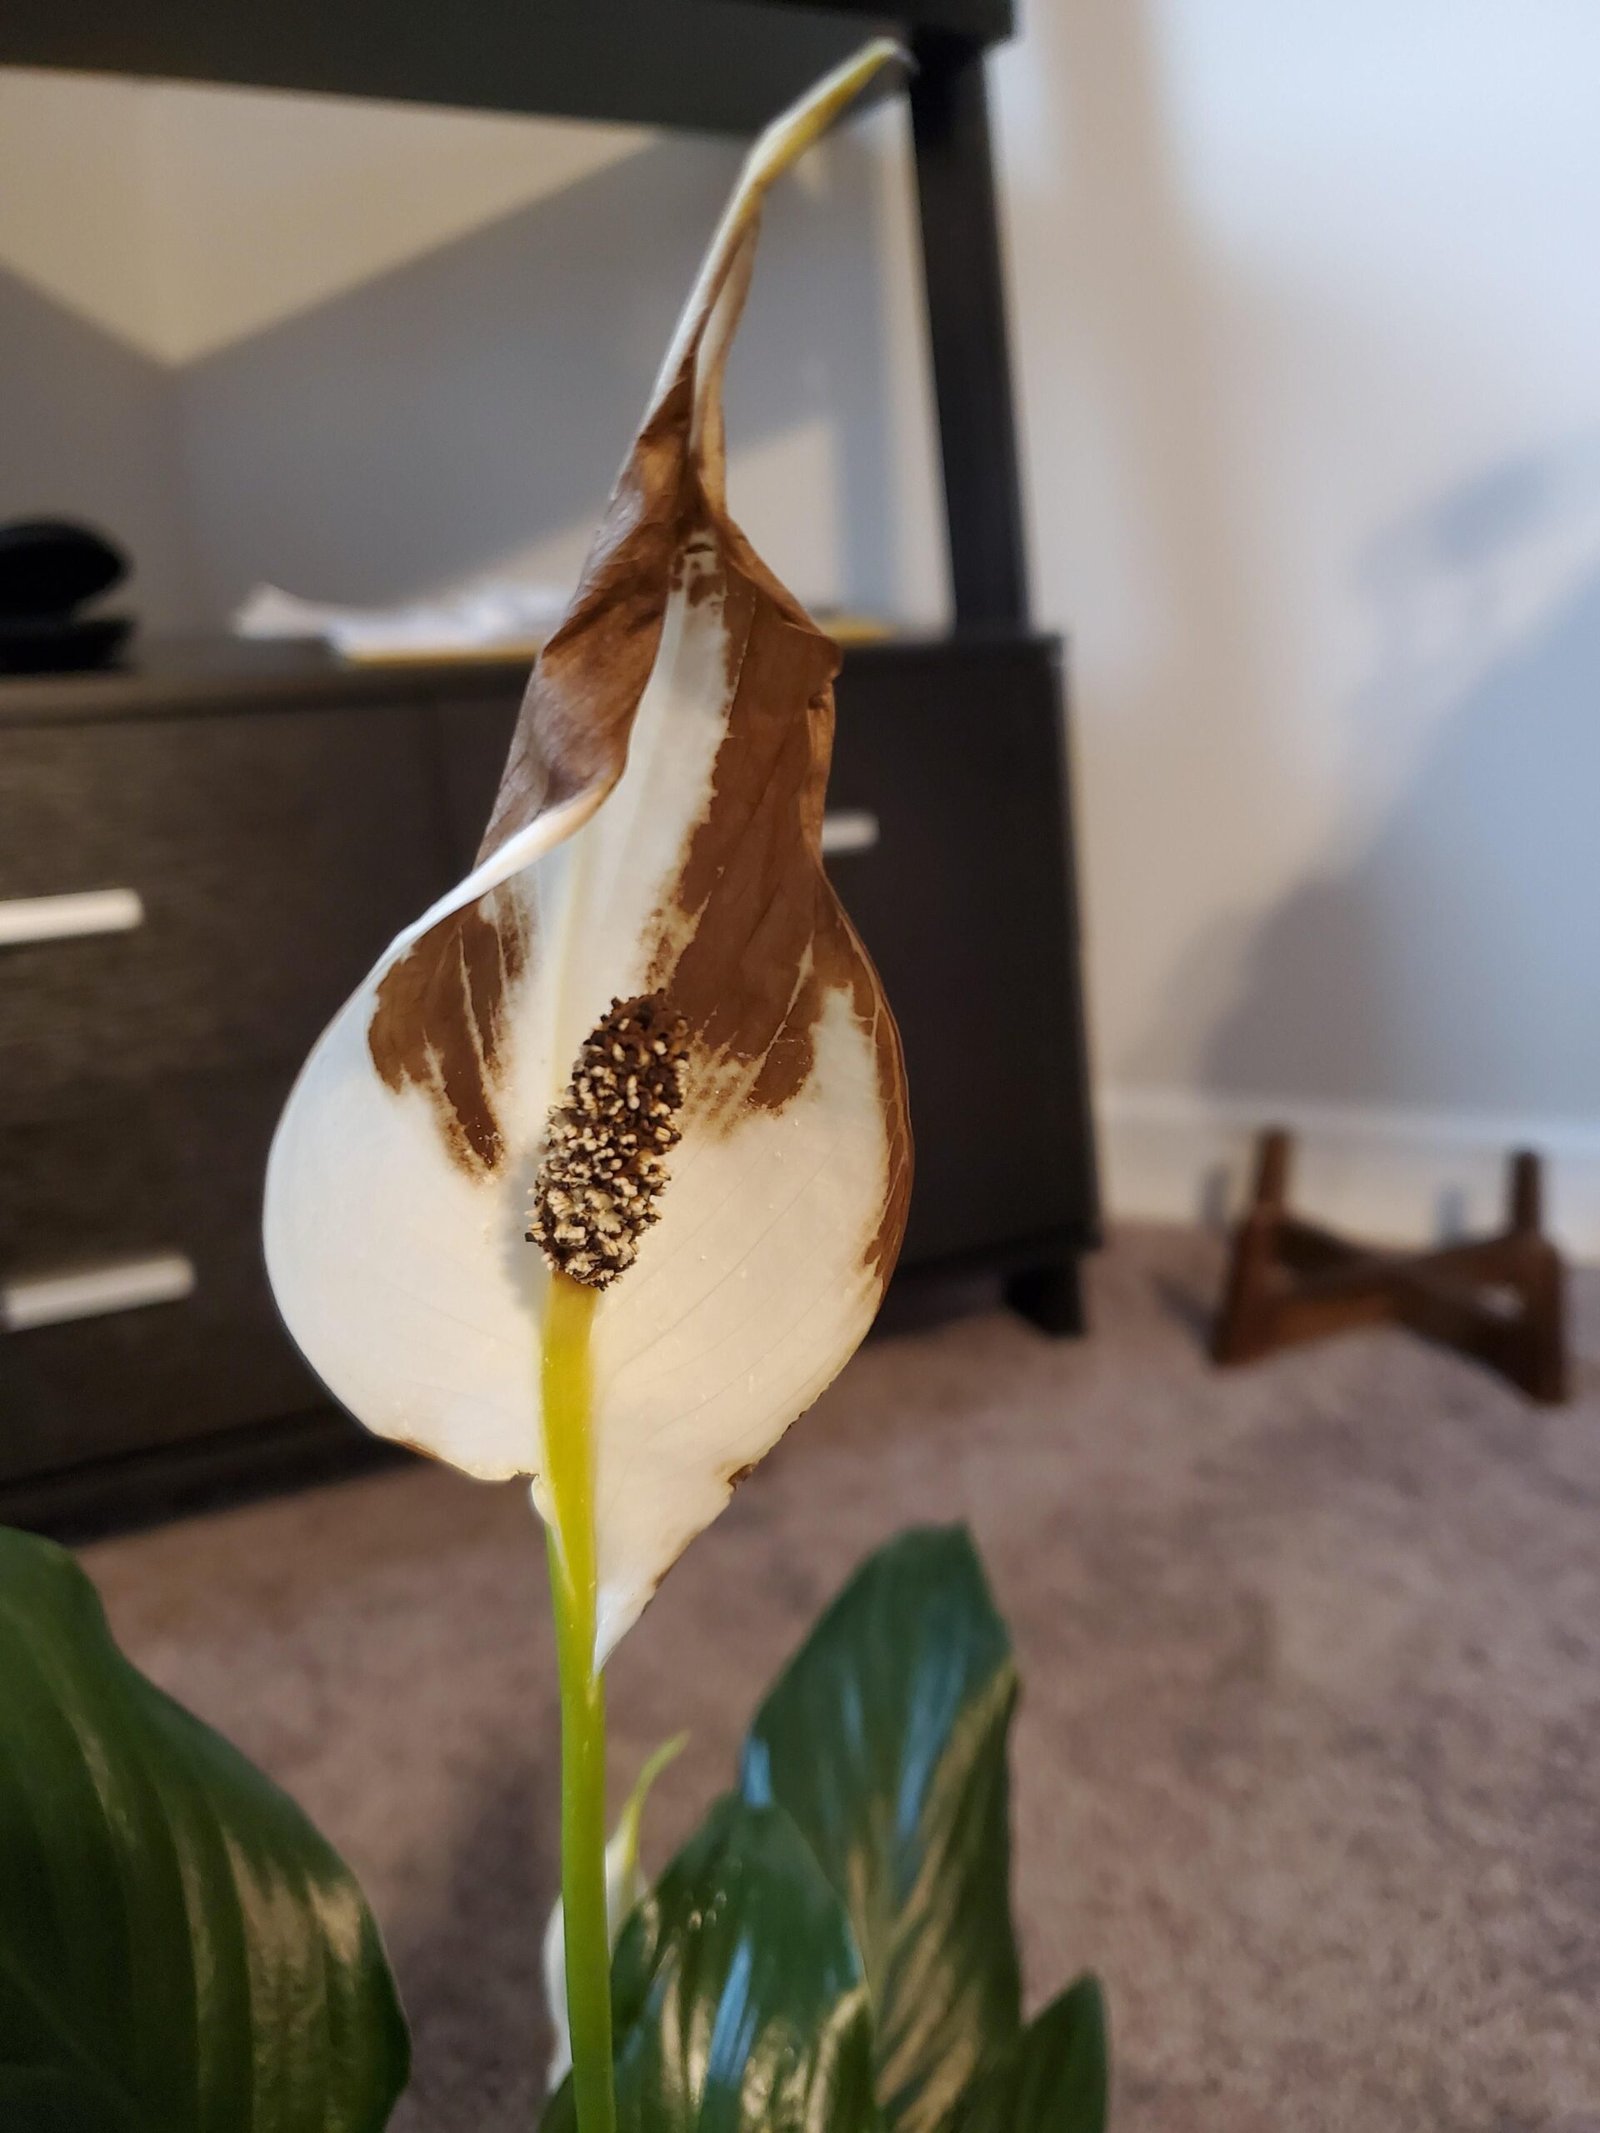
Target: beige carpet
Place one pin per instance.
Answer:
(1309, 1759)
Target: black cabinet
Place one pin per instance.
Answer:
(150, 1188)
(267, 852)
(249, 837)
(953, 754)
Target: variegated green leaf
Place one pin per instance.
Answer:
(180, 1952)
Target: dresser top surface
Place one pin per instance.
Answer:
(166, 674)
(163, 676)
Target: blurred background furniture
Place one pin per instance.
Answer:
(1500, 1299)
(200, 855)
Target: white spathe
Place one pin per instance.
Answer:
(405, 1275)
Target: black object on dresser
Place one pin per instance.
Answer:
(50, 569)
(199, 860)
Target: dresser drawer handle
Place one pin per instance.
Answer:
(26, 919)
(849, 829)
(95, 1291)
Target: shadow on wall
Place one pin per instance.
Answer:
(478, 399)
(1452, 964)
(1121, 298)
(88, 429)
(454, 412)
(1116, 282)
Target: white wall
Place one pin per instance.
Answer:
(366, 351)
(1308, 338)
(1309, 334)
(88, 423)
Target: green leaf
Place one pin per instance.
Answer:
(737, 1993)
(1054, 2078)
(180, 1952)
(885, 1739)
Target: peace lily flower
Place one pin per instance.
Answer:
(655, 843)
(599, 1176)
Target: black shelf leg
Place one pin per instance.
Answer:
(1050, 1296)
(964, 280)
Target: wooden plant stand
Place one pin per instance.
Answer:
(1498, 1299)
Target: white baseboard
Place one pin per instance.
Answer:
(1395, 1176)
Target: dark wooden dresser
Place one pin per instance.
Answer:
(201, 856)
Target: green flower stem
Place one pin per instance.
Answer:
(569, 1455)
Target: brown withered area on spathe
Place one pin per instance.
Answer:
(756, 939)
(758, 906)
(572, 731)
(440, 1012)
(440, 1021)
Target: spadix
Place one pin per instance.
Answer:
(653, 853)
